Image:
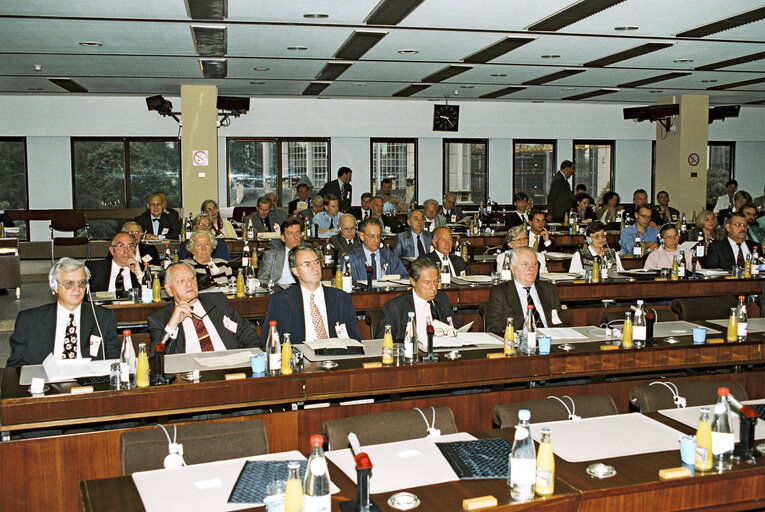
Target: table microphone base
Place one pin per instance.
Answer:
(430, 358)
(162, 380)
(353, 506)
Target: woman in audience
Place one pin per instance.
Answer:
(518, 237)
(706, 224)
(210, 271)
(595, 245)
(669, 250)
(582, 207)
(221, 227)
(609, 210)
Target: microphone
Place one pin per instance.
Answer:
(354, 442)
(95, 318)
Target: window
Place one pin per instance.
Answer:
(466, 170)
(256, 166)
(594, 167)
(533, 168)
(122, 173)
(13, 176)
(395, 159)
(720, 158)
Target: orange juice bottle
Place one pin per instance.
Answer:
(545, 484)
(142, 367)
(387, 348)
(627, 331)
(732, 335)
(704, 441)
(509, 348)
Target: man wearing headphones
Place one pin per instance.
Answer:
(66, 328)
(669, 250)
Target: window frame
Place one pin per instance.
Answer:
(596, 142)
(554, 143)
(26, 208)
(402, 140)
(445, 176)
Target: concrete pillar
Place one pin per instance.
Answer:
(199, 145)
(681, 154)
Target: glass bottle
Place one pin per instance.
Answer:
(523, 465)
(316, 486)
(723, 439)
(529, 333)
(605, 265)
(240, 285)
(293, 496)
(700, 245)
(748, 266)
(741, 320)
(637, 248)
(142, 367)
(127, 361)
(254, 261)
(704, 441)
(545, 482)
(681, 274)
(732, 334)
(675, 269)
(347, 277)
(246, 255)
(639, 328)
(627, 331)
(339, 278)
(274, 350)
(506, 274)
(509, 345)
(387, 347)
(596, 270)
(250, 230)
(156, 295)
(411, 345)
(168, 257)
(287, 355)
(147, 291)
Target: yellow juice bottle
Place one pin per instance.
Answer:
(509, 347)
(155, 289)
(627, 331)
(704, 441)
(293, 496)
(339, 278)
(732, 335)
(387, 348)
(142, 367)
(240, 285)
(286, 355)
(545, 483)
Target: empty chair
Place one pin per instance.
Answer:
(146, 449)
(653, 397)
(387, 427)
(68, 221)
(550, 409)
(703, 308)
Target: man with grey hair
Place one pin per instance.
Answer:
(64, 328)
(415, 241)
(511, 299)
(317, 206)
(279, 213)
(197, 323)
(263, 219)
(120, 270)
(735, 249)
(451, 212)
(310, 311)
(347, 239)
(433, 219)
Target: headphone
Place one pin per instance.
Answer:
(58, 266)
(663, 229)
(174, 458)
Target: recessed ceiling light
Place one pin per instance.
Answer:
(38, 67)
(682, 60)
(409, 51)
(551, 56)
(467, 86)
(90, 43)
(360, 84)
(655, 91)
(499, 75)
(35, 89)
(537, 101)
(258, 83)
(315, 15)
(297, 48)
(261, 69)
(708, 81)
(626, 28)
(568, 88)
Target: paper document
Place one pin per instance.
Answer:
(687, 246)
(712, 272)
(558, 276)
(63, 370)
(383, 284)
(333, 343)
(561, 333)
(473, 279)
(235, 358)
(552, 255)
(226, 360)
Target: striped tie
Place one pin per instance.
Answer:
(318, 322)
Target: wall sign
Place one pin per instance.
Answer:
(201, 157)
(693, 159)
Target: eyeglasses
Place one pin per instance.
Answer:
(124, 246)
(373, 237)
(451, 332)
(69, 284)
(308, 264)
(597, 235)
(739, 224)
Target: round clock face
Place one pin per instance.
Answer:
(446, 118)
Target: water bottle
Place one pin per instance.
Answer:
(741, 320)
(347, 277)
(522, 471)
(529, 333)
(411, 345)
(639, 328)
(316, 489)
(127, 361)
(681, 265)
(274, 350)
(723, 439)
(637, 248)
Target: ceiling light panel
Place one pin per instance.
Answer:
(572, 14)
(291, 69)
(359, 43)
(339, 11)
(102, 65)
(209, 41)
(433, 45)
(725, 24)
(273, 40)
(96, 9)
(391, 12)
(494, 50)
(407, 72)
(207, 9)
(573, 50)
(488, 14)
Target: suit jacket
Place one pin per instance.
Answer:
(513, 219)
(257, 223)
(457, 262)
(504, 302)
(35, 332)
(720, 254)
(166, 221)
(437, 222)
(659, 220)
(343, 246)
(404, 245)
(334, 187)
(100, 271)
(359, 214)
(221, 251)
(292, 206)
(307, 214)
(217, 307)
(358, 262)
(561, 198)
(391, 222)
(456, 211)
(286, 307)
(148, 250)
(272, 264)
(396, 311)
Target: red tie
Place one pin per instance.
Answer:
(740, 257)
(204, 337)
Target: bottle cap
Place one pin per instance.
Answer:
(530, 307)
(640, 302)
(740, 297)
(524, 415)
(272, 323)
(411, 314)
(317, 440)
(126, 332)
(723, 391)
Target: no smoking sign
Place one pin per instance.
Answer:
(693, 159)
(201, 157)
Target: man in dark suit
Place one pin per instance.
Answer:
(274, 264)
(366, 207)
(65, 328)
(415, 241)
(511, 299)
(442, 243)
(433, 219)
(316, 206)
(347, 239)
(424, 299)
(197, 323)
(340, 188)
(662, 212)
(120, 272)
(157, 224)
(380, 259)
(449, 210)
(732, 251)
(561, 198)
(145, 253)
(521, 214)
(302, 197)
(310, 311)
(391, 224)
(263, 219)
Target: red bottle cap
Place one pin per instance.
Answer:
(529, 307)
(126, 332)
(317, 440)
(723, 391)
(740, 297)
(272, 323)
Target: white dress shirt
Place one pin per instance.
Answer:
(190, 333)
(734, 247)
(534, 296)
(542, 243)
(318, 299)
(62, 320)
(287, 276)
(421, 314)
(116, 269)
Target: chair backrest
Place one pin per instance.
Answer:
(703, 308)
(241, 211)
(372, 318)
(67, 221)
(550, 409)
(663, 315)
(146, 449)
(650, 398)
(387, 427)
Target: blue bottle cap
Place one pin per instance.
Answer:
(411, 314)
(524, 415)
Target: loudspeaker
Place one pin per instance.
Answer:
(233, 103)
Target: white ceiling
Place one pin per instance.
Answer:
(147, 48)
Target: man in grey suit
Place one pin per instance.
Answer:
(561, 198)
(511, 299)
(263, 219)
(433, 219)
(317, 206)
(415, 241)
(347, 239)
(280, 214)
(274, 265)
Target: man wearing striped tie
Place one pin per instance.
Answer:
(511, 299)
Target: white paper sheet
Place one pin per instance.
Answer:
(552, 255)
(402, 465)
(558, 276)
(677, 328)
(65, 370)
(235, 358)
(561, 333)
(690, 416)
(752, 324)
(372, 348)
(477, 339)
(606, 437)
(472, 279)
